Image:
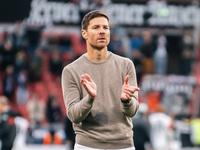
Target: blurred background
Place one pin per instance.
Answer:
(162, 37)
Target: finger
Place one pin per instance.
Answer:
(82, 79)
(85, 82)
(132, 89)
(88, 77)
(128, 96)
(126, 79)
(85, 86)
(137, 89)
(128, 92)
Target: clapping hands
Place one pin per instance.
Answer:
(89, 85)
(127, 90)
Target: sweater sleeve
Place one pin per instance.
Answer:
(77, 109)
(131, 108)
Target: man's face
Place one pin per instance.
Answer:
(97, 34)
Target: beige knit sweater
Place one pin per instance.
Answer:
(105, 122)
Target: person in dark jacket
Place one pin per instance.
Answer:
(53, 115)
(69, 132)
(7, 125)
(141, 128)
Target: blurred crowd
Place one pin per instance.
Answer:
(32, 59)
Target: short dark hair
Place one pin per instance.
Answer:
(89, 16)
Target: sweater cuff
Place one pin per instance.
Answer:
(89, 100)
(131, 102)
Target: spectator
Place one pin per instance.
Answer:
(147, 50)
(116, 45)
(195, 134)
(36, 110)
(161, 130)
(187, 55)
(9, 83)
(21, 62)
(182, 130)
(7, 52)
(7, 125)
(55, 64)
(53, 114)
(141, 128)
(18, 35)
(22, 125)
(186, 62)
(69, 132)
(160, 55)
(136, 41)
(137, 60)
(22, 93)
(35, 69)
(65, 43)
(53, 110)
(33, 33)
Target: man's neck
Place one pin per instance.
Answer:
(97, 55)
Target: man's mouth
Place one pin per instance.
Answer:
(101, 39)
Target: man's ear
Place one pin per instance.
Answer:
(84, 34)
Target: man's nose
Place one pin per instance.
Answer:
(101, 30)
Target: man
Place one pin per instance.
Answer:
(161, 129)
(69, 132)
(100, 91)
(141, 129)
(7, 126)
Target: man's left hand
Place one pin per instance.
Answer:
(127, 90)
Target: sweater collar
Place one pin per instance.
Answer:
(101, 62)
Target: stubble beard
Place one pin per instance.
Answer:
(99, 48)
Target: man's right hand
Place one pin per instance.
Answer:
(89, 85)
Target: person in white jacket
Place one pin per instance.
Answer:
(160, 133)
